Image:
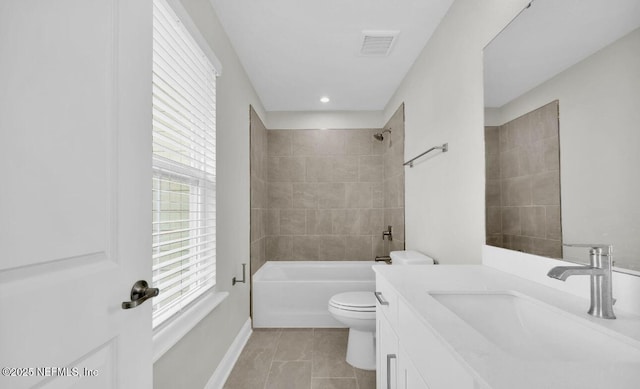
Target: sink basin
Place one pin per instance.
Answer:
(530, 330)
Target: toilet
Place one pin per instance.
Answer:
(357, 310)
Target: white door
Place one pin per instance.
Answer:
(75, 190)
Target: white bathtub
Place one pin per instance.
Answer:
(296, 294)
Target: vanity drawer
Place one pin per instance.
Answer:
(387, 301)
(433, 361)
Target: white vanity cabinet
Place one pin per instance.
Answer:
(394, 368)
(409, 354)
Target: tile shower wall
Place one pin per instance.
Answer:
(325, 194)
(393, 184)
(258, 191)
(523, 183)
(328, 194)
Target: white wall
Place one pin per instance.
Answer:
(599, 140)
(286, 120)
(443, 96)
(192, 361)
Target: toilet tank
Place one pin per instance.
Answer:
(410, 257)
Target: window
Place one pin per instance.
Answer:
(184, 166)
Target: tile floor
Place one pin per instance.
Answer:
(291, 358)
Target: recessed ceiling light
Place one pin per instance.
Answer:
(324, 99)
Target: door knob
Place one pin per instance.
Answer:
(140, 293)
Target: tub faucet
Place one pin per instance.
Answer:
(383, 258)
(600, 273)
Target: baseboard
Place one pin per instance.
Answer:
(223, 370)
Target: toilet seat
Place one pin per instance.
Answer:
(354, 301)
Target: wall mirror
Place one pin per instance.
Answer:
(580, 59)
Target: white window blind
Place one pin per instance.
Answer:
(184, 166)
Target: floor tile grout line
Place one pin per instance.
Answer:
(275, 349)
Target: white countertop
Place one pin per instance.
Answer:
(491, 365)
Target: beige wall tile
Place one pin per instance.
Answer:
(359, 248)
(286, 169)
(375, 223)
(370, 168)
(533, 221)
(393, 160)
(551, 154)
(491, 140)
(344, 169)
(347, 221)
(493, 193)
(257, 224)
(358, 195)
(545, 121)
(330, 142)
(258, 192)
(318, 169)
(377, 195)
(359, 142)
(394, 192)
(534, 155)
(521, 243)
(319, 222)
(305, 195)
(279, 142)
(511, 221)
(257, 255)
(304, 142)
(293, 222)
(546, 247)
(516, 191)
(553, 223)
(279, 248)
(380, 247)
(272, 224)
(492, 166)
(509, 163)
(331, 195)
(495, 240)
(396, 245)
(331, 248)
(305, 248)
(494, 220)
(280, 195)
(545, 188)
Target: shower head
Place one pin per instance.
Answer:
(379, 135)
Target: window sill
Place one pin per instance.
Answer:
(167, 336)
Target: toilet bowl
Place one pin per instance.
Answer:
(357, 310)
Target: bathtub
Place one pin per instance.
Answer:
(291, 294)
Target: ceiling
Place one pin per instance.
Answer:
(549, 37)
(296, 52)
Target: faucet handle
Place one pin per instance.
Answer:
(607, 247)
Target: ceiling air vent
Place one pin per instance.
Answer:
(377, 43)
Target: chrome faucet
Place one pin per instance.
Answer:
(387, 233)
(600, 273)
